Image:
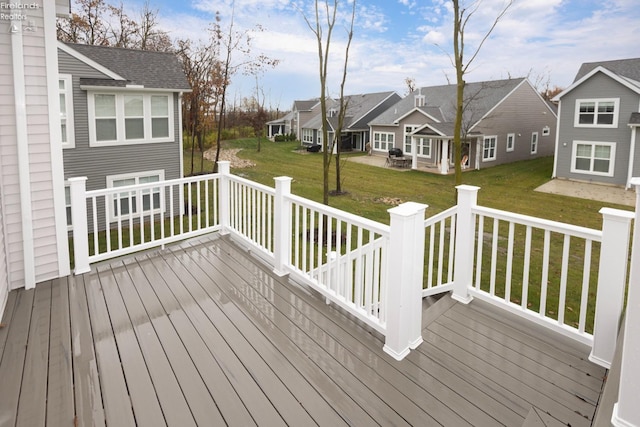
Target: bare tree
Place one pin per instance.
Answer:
(233, 42)
(326, 21)
(461, 19)
(411, 84)
(87, 26)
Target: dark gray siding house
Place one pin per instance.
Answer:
(597, 124)
(360, 109)
(121, 113)
(504, 121)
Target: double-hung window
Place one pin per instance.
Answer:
(534, 142)
(65, 89)
(383, 141)
(597, 112)
(147, 200)
(126, 118)
(489, 148)
(594, 158)
(511, 141)
(307, 136)
(424, 147)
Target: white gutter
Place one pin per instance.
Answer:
(22, 140)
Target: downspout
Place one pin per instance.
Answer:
(22, 140)
(180, 136)
(632, 153)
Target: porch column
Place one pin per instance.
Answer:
(77, 190)
(612, 279)
(414, 154)
(465, 242)
(224, 202)
(444, 160)
(282, 225)
(626, 411)
(403, 295)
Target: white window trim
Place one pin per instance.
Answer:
(307, 135)
(407, 130)
(136, 175)
(616, 111)
(495, 148)
(68, 92)
(428, 142)
(389, 144)
(67, 206)
(120, 119)
(612, 160)
(511, 137)
(546, 131)
(535, 140)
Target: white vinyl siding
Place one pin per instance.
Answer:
(601, 113)
(65, 88)
(593, 158)
(489, 148)
(129, 118)
(383, 141)
(146, 201)
(511, 141)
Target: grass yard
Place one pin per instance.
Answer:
(508, 187)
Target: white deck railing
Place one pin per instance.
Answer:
(375, 271)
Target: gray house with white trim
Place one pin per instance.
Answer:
(121, 117)
(503, 121)
(599, 115)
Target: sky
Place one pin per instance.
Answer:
(545, 40)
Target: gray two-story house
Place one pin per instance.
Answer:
(121, 118)
(598, 119)
(503, 121)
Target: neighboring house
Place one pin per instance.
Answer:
(33, 233)
(598, 122)
(280, 126)
(503, 121)
(303, 111)
(360, 110)
(121, 118)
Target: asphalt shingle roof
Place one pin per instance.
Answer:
(440, 101)
(157, 70)
(628, 68)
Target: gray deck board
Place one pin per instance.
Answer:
(60, 405)
(115, 395)
(144, 402)
(13, 357)
(87, 391)
(36, 364)
(202, 333)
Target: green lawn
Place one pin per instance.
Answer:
(508, 187)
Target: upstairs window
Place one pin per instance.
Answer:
(65, 89)
(125, 118)
(597, 113)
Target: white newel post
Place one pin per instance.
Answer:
(78, 189)
(405, 264)
(612, 279)
(224, 196)
(282, 225)
(626, 412)
(465, 242)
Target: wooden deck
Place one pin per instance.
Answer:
(203, 334)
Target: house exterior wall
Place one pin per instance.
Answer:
(97, 163)
(522, 113)
(30, 175)
(599, 86)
